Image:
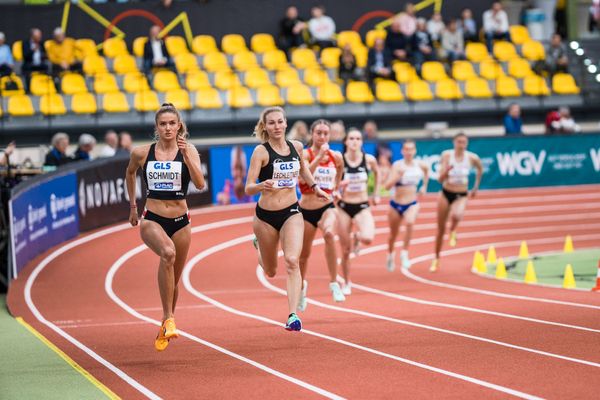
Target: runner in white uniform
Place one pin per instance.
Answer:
(405, 176)
(455, 167)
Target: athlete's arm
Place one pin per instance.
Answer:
(135, 161)
(192, 160)
(322, 153)
(425, 169)
(339, 170)
(395, 176)
(306, 174)
(259, 158)
(476, 162)
(444, 168)
(373, 166)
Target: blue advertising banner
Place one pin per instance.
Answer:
(42, 216)
(228, 170)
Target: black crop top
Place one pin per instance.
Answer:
(166, 180)
(284, 170)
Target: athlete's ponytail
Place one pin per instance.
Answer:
(170, 108)
(260, 130)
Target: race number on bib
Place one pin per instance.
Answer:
(325, 177)
(164, 175)
(285, 174)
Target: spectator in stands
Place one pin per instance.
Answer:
(468, 26)
(34, 56)
(594, 20)
(396, 42)
(513, 124)
(299, 132)
(155, 52)
(408, 21)
(57, 155)
(556, 56)
(422, 46)
(86, 145)
(370, 130)
(111, 143)
(61, 53)
(337, 131)
(6, 59)
(561, 122)
(125, 143)
(453, 44)
(435, 27)
(380, 62)
(348, 70)
(291, 30)
(321, 28)
(495, 25)
(5, 155)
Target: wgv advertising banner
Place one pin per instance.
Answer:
(42, 216)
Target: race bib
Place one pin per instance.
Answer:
(325, 177)
(164, 176)
(285, 174)
(357, 182)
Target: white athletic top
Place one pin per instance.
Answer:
(459, 174)
(413, 174)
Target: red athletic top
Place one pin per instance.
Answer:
(324, 174)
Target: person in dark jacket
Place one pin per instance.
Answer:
(397, 43)
(423, 49)
(86, 144)
(380, 62)
(513, 124)
(291, 30)
(35, 58)
(156, 54)
(57, 155)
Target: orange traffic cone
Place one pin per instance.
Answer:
(597, 288)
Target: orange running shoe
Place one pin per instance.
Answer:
(167, 331)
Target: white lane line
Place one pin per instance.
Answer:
(244, 239)
(263, 280)
(30, 281)
(100, 324)
(112, 295)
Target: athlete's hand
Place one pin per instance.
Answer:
(133, 217)
(321, 194)
(323, 150)
(337, 196)
(268, 185)
(182, 144)
(472, 193)
(376, 200)
(343, 184)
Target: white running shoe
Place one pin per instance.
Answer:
(302, 303)
(405, 260)
(391, 265)
(336, 291)
(347, 289)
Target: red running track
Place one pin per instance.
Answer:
(406, 334)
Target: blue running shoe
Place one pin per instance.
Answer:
(293, 323)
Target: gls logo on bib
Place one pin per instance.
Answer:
(164, 176)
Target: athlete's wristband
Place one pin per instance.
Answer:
(313, 186)
(132, 206)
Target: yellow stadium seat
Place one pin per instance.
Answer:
(519, 34)
(239, 97)
(477, 88)
(447, 89)
(204, 44)
(52, 104)
(274, 60)
(13, 78)
(20, 105)
(564, 84)
(388, 91)
(463, 70)
(244, 60)
(72, 83)
(362, 56)
(476, 52)
(176, 45)
(533, 50)
(433, 71)
(105, 83)
(114, 46)
(405, 72)
(349, 37)
(299, 95)
(138, 46)
(418, 91)
(125, 64)
(215, 62)
(233, 43)
(208, 98)
(287, 77)
(269, 95)
(165, 80)
(146, 101)
(180, 98)
(330, 57)
(225, 80)
(17, 50)
(490, 70)
(84, 103)
(304, 58)
(375, 34)
(185, 63)
(535, 86)
(115, 102)
(93, 65)
(359, 92)
(315, 77)
(85, 48)
(505, 51)
(330, 93)
(519, 68)
(41, 84)
(196, 80)
(262, 42)
(256, 77)
(135, 82)
(507, 87)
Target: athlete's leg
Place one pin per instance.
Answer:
(291, 242)
(410, 216)
(344, 230)
(394, 221)
(327, 225)
(366, 226)
(181, 239)
(268, 242)
(457, 210)
(309, 234)
(442, 218)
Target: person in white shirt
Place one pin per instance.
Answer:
(495, 25)
(321, 28)
(111, 142)
(435, 27)
(566, 123)
(453, 44)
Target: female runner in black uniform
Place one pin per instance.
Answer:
(276, 165)
(168, 164)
